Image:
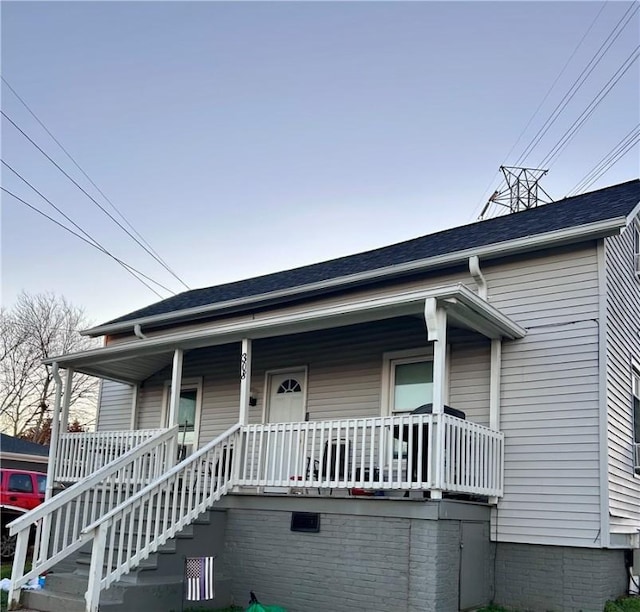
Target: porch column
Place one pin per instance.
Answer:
(66, 401)
(494, 385)
(134, 406)
(245, 381)
(55, 431)
(436, 320)
(176, 384)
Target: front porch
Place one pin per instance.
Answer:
(385, 430)
(429, 453)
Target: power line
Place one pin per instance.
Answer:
(102, 208)
(92, 240)
(46, 216)
(113, 206)
(590, 108)
(579, 81)
(544, 99)
(620, 149)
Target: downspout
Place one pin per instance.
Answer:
(137, 330)
(474, 268)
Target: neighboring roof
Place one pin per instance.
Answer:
(608, 203)
(9, 444)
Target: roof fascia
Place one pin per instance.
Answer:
(632, 215)
(508, 247)
(256, 326)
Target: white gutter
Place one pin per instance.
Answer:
(508, 247)
(256, 326)
(9, 456)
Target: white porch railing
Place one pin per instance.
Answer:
(130, 532)
(81, 454)
(423, 452)
(407, 452)
(60, 522)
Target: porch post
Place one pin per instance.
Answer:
(494, 392)
(494, 385)
(55, 432)
(436, 320)
(176, 384)
(134, 405)
(66, 401)
(245, 381)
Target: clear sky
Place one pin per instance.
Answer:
(248, 137)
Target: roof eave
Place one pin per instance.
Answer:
(528, 243)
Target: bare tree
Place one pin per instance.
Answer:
(38, 327)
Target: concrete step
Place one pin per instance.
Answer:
(46, 600)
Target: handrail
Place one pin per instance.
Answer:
(175, 470)
(132, 530)
(63, 497)
(61, 519)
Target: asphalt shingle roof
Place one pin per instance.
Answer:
(9, 444)
(610, 202)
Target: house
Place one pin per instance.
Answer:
(22, 454)
(432, 425)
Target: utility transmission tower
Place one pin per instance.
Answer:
(522, 190)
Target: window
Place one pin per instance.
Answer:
(42, 484)
(412, 384)
(407, 385)
(635, 392)
(20, 483)
(291, 385)
(188, 413)
(187, 410)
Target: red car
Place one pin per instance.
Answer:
(20, 491)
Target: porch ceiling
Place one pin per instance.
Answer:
(134, 361)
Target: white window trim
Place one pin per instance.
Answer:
(266, 404)
(186, 385)
(393, 358)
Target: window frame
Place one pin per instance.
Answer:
(187, 384)
(389, 362)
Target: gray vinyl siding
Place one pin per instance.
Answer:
(114, 409)
(344, 369)
(549, 387)
(549, 399)
(623, 345)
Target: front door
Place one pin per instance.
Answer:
(286, 397)
(188, 417)
(286, 405)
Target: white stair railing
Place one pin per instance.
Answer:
(59, 522)
(130, 532)
(83, 453)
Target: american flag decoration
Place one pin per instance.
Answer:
(199, 578)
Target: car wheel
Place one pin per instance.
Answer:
(7, 544)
